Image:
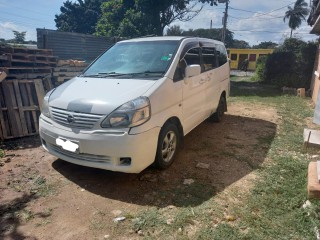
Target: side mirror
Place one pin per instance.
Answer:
(192, 70)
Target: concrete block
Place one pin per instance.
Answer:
(301, 92)
(313, 183)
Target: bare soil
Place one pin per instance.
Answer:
(42, 197)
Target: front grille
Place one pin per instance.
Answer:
(79, 156)
(79, 120)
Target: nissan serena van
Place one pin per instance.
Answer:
(134, 104)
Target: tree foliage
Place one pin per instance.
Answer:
(265, 45)
(296, 14)
(214, 33)
(132, 18)
(239, 44)
(290, 65)
(126, 18)
(174, 30)
(19, 37)
(80, 16)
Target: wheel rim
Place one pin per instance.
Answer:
(169, 145)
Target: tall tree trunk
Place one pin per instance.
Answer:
(291, 33)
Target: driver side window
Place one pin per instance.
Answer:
(190, 58)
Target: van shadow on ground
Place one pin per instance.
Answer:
(232, 148)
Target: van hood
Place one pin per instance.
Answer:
(97, 95)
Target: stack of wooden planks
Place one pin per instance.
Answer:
(67, 69)
(28, 78)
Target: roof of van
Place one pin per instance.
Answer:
(166, 38)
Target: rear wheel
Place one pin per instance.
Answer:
(218, 115)
(168, 143)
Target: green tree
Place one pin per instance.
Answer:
(131, 18)
(80, 16)
(265, 45)
(296, 14)
(214, 33)
(19, 37)
(240, 44)
(174, 30)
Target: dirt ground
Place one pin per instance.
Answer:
(42, 197)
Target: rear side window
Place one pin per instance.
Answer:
(222, 55)
(209, 58)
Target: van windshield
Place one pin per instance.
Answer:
(147, 59)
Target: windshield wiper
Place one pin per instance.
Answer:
(148, 72)
(104, 74)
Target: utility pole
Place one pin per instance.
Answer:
(225, 20)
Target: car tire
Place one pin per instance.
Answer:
(168, 144)
(218, 115)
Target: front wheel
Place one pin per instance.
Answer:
(218, 115)
(168, 143)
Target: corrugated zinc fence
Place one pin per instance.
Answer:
(67, 45)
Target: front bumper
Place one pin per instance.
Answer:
(115, 151)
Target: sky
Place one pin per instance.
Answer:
(253, 21)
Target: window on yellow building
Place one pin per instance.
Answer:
(252, 57)
(234, 57)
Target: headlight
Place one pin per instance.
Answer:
(130, 114)
(45, 104)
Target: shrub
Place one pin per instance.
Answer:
(291, 65)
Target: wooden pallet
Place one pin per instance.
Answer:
(20, 105)
(12, 50)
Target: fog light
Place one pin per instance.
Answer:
(125, 161)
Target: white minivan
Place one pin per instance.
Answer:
(133, 105)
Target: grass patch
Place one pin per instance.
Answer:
(272, 208)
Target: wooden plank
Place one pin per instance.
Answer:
(15, 124)
(48, 84)
(68, 69)
(65, 74)
(15, 108)
(62, 79)
(34, 114)
(40, 92)
(34, 108)
(20, 107)
(1, 135)
(2, 122)
(28, 75)
(26, 103)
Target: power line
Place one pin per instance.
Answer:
(261, 14)
(259, 19)
(265, 31)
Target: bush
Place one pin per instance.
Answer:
(260, 69)
(291, 65)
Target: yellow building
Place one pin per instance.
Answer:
(238, 56)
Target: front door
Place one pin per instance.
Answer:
(193, 93)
